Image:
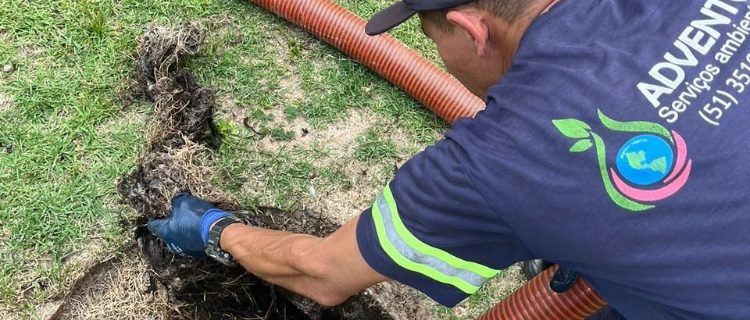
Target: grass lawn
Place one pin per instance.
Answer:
(305, 127)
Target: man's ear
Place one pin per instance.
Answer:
(475, 26)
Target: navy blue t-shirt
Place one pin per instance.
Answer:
(617, 145)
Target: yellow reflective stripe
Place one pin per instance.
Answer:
(405, 263)
(426, 249)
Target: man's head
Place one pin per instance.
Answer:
(476, 39)
(436, 10)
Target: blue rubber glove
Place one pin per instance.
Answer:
(185, 229)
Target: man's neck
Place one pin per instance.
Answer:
(515, 32)
(549, 6)
(537, 9)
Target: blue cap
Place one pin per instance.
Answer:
(401, 11)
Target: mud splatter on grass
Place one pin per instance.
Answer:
(182, 139)
(182, 126)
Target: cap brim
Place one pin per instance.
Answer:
(387, 19)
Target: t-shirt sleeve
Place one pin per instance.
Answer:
(432, 230)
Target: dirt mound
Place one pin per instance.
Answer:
(183, 137)
(182, 126)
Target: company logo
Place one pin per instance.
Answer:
(650, 167)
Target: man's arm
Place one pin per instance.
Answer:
(328, 270)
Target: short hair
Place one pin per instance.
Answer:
(510, 10)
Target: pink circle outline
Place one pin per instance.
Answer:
(675, 181)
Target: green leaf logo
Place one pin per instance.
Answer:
(581, 146)
(586, 139)
(573, 128)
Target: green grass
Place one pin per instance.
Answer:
(373, 147)
(73, 129)
(483, 300)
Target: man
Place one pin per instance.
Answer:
(614, 142)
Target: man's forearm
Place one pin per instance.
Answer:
(328, 270)
(267, 253)
(274, 256)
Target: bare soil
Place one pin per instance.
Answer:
(5, 102)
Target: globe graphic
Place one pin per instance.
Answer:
(645, 160)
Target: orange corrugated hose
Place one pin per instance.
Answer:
(385, 55)
(535, 300)
(445, 96)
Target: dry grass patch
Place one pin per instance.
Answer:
(6, 102)
(118, 288)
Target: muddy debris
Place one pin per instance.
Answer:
(182, 140)
(182, 130)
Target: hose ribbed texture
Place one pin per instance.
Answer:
(535, 300)
(383, 54)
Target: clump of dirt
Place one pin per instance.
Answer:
(182, 126)
(181, 143)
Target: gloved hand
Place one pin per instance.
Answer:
(185, 229)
